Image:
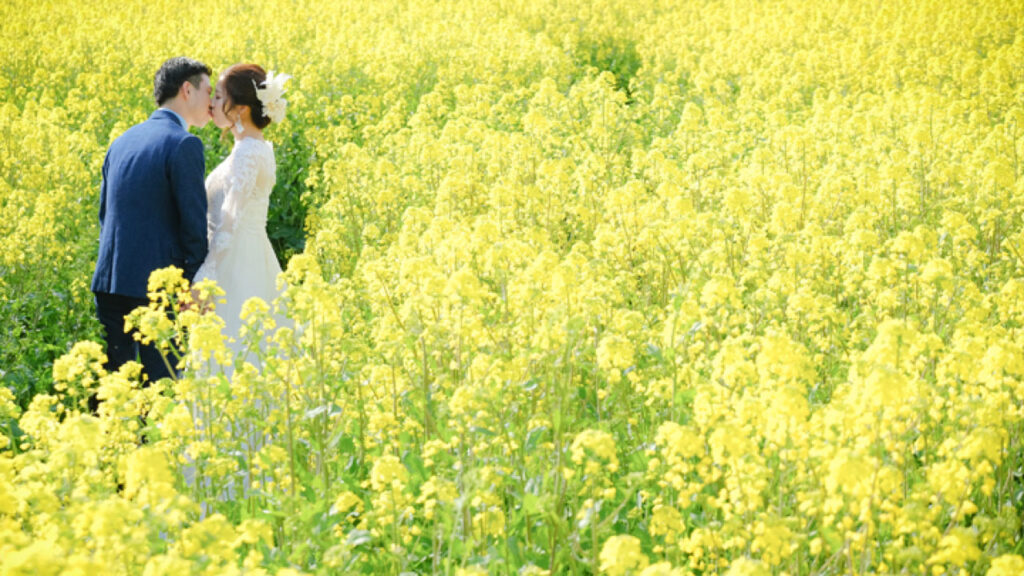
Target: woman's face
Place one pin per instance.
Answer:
(220, 101)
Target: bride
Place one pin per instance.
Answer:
(241, 259)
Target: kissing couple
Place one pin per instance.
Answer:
(156, 210)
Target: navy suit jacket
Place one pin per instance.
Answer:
(152, 206)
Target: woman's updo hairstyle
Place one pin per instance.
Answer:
(240, 82)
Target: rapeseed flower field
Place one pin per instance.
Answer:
(577, 287)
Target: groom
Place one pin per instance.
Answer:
(152, 207)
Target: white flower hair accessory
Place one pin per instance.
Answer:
(271, 96)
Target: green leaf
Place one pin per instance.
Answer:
(414, 464)
(531, 503)
(342, 443)
(533, 437)
(482, 431)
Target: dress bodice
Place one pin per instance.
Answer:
(238, 191)
(238, 198)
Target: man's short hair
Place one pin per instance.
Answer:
(173, 74)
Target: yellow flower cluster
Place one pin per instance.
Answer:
(648, 287)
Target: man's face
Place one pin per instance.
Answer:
(197, 102)
(220, 118)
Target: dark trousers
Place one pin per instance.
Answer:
(121, 347)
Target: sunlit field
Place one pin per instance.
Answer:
(575, 287)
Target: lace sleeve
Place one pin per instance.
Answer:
(241, 179)
(213, 220)
(215, 202)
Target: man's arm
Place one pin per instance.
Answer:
(188, 170)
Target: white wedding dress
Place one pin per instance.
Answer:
(241, 259)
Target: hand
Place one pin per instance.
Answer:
(195, 301)
(187, 301)
(204, 305)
